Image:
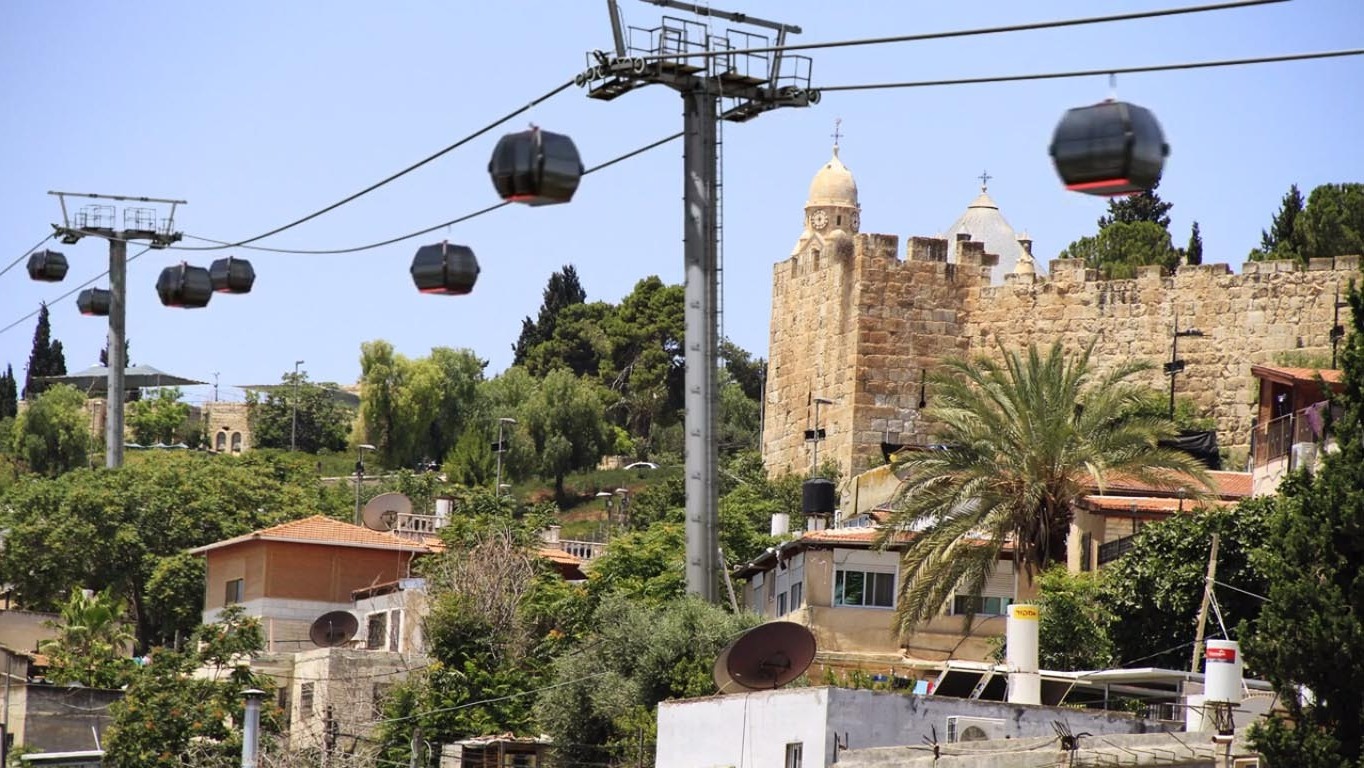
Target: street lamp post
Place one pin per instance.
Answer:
(816, 434)
(360, 475)
(293, 431)
(1175, 366)
(501, 448)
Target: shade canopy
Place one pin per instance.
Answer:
(95, 379)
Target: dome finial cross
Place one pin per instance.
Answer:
(838, 121)
(984, 180)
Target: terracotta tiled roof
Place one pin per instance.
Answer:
(1225, 484)
(1305, 375)
(559, 556)
(319, 529)
(1144, 505)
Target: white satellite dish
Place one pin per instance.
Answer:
(382, 511)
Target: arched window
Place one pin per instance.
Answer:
(236, 442)
(221, 444)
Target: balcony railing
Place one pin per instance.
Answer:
(1110, 551)
(1275, 439)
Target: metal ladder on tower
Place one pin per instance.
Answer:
(720, 230)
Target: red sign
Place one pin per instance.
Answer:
(1222, 654)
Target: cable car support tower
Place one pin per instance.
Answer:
(719, 78)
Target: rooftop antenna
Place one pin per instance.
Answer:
(101, 221)
(765, 658)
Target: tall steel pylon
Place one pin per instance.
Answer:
(706, 69)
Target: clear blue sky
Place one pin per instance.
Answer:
(258, 112)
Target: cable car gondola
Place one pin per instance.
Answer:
(94, 302)
(445, 269)
(1109, 149)
(536, 167)
(232, 275)
(184, 286)
(47, 266)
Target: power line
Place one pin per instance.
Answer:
(14, 263)
(69, 293)
(1095, 72)
(394, 176)
(962, 32)
(430, 229)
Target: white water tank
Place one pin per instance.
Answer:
(443, 506)
(781, 524)
(1020, 652)
(1222, 672)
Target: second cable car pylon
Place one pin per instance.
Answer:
(705, 69)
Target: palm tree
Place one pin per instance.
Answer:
(1020, 441)
(92, 644)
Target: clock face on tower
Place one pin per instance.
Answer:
(819, 219)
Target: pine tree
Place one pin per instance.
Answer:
(1146, 206)
(9, 394)
(1311, 631)
(563, 290)
(1194, 253)
(1283, 240)
(46, 359)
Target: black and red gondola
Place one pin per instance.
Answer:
(47, 266)
(95, 302)
(232, 275)
(536, 167)
(1109, 149)
(443, 268)
(184, 286)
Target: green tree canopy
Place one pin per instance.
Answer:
(414, 410)
(1122, 246)
(323, 422)
(562, 291)
(1193, 254)
(1024, 438)
(119, 527)
(170, 717)
(159, 418)
(46, 359)
(92, 647)
(1143, 206)
(52, 435)
(1283, 240)
(1315, 613)
(564, 420)
(9, 394)
(1329, 224)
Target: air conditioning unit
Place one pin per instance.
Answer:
(961, 728)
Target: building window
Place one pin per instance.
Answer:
(866, 588)
(781, 604)
(395, 626)
(1086, 552)
(377, 631)
(222, 442)
(236, 442)
(797, 595)
(305, 700)
(793, 754)
(235, 588)
(984, 606)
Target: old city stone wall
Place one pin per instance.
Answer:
(862, 327)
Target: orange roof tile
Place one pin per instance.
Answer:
(319, 529)
(1225, 484)
(1329, 375)
(559, 556)
(1144, 505)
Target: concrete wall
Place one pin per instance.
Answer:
(24, 630)
(55, 718)
(754, 729)
(861, 326)
(353, 682)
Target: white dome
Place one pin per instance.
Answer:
(983, 221)
(833, 185)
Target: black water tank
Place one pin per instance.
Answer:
(817, 497)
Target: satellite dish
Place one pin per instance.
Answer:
(382, 511)
(333, 629)
(765, 657)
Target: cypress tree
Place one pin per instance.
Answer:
(46, 359)
(9, 394)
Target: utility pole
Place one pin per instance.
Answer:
(817, 434)
(138, 224)
(1203, 609)
(705, 69)
(215, 386)
(293, 431)
(1175, 366)
(501, 448)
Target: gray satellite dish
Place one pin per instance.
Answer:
(765, 657)
(333, 629)
(382, 511)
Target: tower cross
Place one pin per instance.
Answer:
(838, 121)
(984, 180)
